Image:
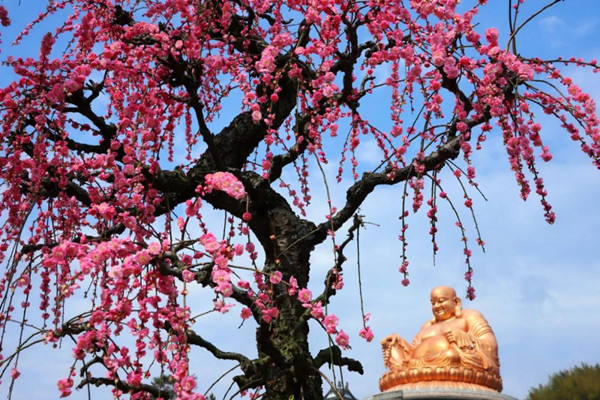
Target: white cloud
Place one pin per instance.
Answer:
(552, 23)
(586, 27)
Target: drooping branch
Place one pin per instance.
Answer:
(357, 193)
(203, 277)
(329, 287)
(282, 160)
(50, 188)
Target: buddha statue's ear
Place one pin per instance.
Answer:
(458, 307)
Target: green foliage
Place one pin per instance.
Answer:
(164, 383)
(579, 383)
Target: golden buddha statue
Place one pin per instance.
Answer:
(455, 349)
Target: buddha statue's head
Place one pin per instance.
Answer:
(445, 304)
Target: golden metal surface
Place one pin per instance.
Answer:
(455, 349)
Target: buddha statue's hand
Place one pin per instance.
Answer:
(395, 350)
(387, 343)
(390, 340)
(450, 336)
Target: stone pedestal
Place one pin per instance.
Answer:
(440, 394)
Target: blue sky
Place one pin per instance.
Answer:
(536, 284)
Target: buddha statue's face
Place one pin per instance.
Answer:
(443, 303)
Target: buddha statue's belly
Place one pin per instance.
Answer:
(435, 347)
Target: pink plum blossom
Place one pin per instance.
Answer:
(342, 340)
(227, 183)
(188, 276)
(275, 277)
(305, 296)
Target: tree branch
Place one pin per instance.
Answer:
(359, 191)
(196, 340)
(333, 356)
(329, 290)
(121, 385)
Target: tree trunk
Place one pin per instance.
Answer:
(289, 369)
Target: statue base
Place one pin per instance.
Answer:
(455, 377)
(440, 394)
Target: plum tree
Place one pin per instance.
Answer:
(140, 119)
